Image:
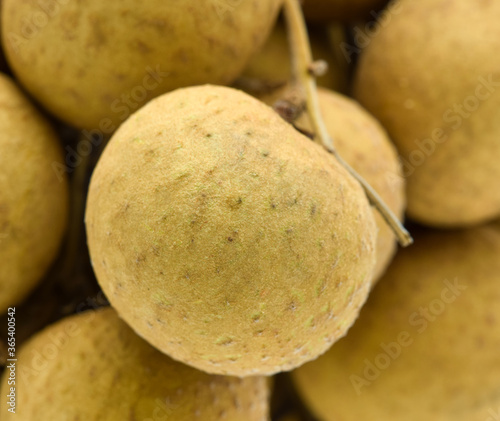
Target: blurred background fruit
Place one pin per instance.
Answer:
(426, 343)
(430, 78)
(33, 195)
(271, 67)
(93, 63)
(92, 366)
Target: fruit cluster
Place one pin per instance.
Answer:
(200, 206)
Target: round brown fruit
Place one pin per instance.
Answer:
(426, 344)
(443, 115)
(95, 62)
(93, 367)
(33, 195)
(224, 237)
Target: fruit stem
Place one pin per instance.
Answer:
(302, 64)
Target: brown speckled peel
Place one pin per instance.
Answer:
(224, 237)
(33, 195)
(435, 88)
(93, 367)
(430, 333)
(93, 63)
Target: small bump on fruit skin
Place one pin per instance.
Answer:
(102, 371)
(220, 261)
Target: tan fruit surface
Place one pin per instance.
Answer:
(364, 144)
(435, 89)
(93, 63)
(426, 344)
(33, 195)
(226, 238)
(93, 367)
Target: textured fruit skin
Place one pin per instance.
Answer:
(224, 237)
(364, 144)
(93, 367)
(345, 10)
(413, 87)
(272, 64)
(33, 196)
(94, 63)
(449, 370)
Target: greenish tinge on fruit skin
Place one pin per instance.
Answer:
(232, 357)
(364, 278)
(224, 340)
(310, 321)
(181, 174)
(200, 186)
(256, 316)
(161, 299)
(149, 228)
(299, 295)
(320, 286)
